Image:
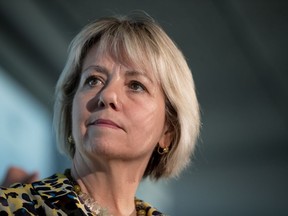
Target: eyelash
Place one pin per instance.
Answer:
(133, 83)
(91, 79)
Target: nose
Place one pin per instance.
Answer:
(109, 96)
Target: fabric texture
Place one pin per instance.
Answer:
(52, 196)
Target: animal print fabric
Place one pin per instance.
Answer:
(52, 196)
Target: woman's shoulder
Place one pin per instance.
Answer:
(56, 183)
(14, 199)
(34, 198)
(53, 186)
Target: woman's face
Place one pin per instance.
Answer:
(118, 112)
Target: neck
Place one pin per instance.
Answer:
(112, 184)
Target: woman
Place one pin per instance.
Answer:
(125, 109)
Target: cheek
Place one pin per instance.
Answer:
(78, 115)
(155, 112)
(151, 120)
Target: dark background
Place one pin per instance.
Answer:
(238, 52)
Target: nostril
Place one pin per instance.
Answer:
(112, 105)
(107, 97)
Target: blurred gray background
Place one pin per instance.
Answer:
(238, 52)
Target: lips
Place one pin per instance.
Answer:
(104, 123)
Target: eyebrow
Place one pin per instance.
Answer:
(129, 73)
(98, 68)
(134, 73)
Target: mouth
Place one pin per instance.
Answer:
(105, 123)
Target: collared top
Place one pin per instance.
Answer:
(52, 196)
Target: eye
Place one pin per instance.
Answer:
(137, 86)
(93, 81)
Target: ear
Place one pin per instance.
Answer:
(166, 138)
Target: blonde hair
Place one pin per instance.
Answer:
(140, 41)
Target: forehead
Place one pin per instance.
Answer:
(97, 55)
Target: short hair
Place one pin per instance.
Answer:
(138, 40)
